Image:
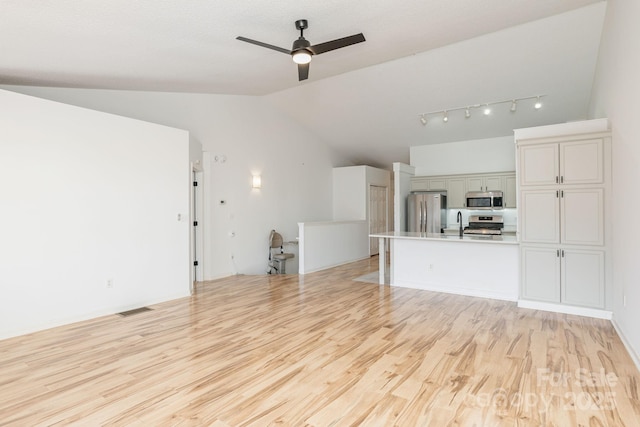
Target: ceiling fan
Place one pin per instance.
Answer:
(302, 51)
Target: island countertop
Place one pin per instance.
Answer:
(412, 235)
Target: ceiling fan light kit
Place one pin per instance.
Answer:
(486, 108)
(302, 51)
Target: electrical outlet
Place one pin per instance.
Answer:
(109, 283)
(624, 300)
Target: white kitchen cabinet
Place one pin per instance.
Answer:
(458, 185)
(573, 216)
(563, 275)
(456, 190)
(510, 192)
(563, 212)
(437, 184)
(583, 277)
(565, 163)
(540, 273)
(582, 216)
(540, 212)
(485, 183)
(429, 184)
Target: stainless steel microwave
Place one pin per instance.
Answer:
(484, 200)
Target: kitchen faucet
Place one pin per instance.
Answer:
(460, 222)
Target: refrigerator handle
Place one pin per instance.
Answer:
(422, 224)
(424, 219)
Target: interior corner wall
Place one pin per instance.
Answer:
(463, 157)
(88, 199)
(247, 136)
(351, 190)
(615, 97)
(349, 193)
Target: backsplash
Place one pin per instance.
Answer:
(509, 216)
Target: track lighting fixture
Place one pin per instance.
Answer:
(538, 104)
(486, 108)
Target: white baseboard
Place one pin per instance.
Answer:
(627, 344)
(566, 309)
(325, 267)
(480, 293)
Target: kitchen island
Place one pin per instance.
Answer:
(482, 266)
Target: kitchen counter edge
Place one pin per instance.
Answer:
(408, 235)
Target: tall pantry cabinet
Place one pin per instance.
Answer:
(563, 199)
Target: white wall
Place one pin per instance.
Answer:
(615, 96)
(351, 191)
(328, 244)
(87, 197)
(474, 156)
(252, 137)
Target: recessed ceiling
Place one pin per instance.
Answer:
(433, 54)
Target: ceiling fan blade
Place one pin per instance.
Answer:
(268, 46)
(303, 72)
(336, 44)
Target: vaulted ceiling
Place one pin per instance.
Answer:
(365, 100)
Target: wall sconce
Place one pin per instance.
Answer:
(256, 182)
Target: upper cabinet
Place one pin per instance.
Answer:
(457, 186)
(564, 163)
(485, 183)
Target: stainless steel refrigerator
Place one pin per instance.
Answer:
(427, 212)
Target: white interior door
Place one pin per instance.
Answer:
(378, 208)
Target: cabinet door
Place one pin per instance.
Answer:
(419, 184)
(510, 195)
(455, 193)
(582, 216)
(539, 164)
(540, 270)
(582, 162)
(475, 183)
(540, 211)
(494, 183)
(583, 277)
(437, 184)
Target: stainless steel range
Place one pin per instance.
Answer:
(484, 225)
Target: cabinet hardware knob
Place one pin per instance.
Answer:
(562, 179)
(556, 179)
(558, 252)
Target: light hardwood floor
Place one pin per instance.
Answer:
(322, 350)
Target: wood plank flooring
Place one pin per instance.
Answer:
(321, 350)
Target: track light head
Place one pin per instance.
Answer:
(445, 118)
(513, 106)
(467, 113)
(423, 120)
(538, 104)
(487, 110)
